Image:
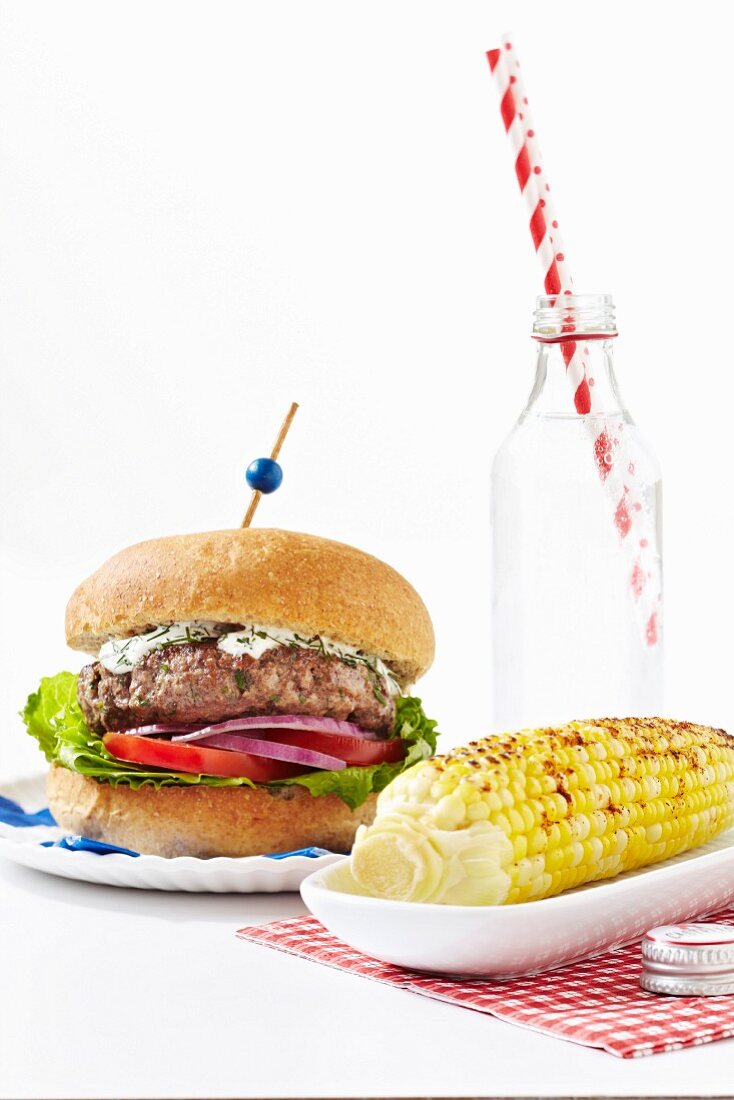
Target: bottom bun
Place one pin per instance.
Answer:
(203, 821)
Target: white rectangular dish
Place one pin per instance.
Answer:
(510, 941)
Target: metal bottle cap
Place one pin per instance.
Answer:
(689, 960)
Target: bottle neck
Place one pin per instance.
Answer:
(575, 378)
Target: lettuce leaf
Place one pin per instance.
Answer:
(53, 716)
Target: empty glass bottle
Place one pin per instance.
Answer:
(576, 510)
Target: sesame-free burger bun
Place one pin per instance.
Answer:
(203, 821)
(256, 575)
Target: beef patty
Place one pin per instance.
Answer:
(200, 683)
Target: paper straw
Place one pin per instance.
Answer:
(534, 186)
(617, 472)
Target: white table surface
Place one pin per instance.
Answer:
(124, 993)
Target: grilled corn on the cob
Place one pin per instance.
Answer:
(526, 815)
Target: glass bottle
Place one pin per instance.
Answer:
(576, 519)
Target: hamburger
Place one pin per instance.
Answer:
(248, 694)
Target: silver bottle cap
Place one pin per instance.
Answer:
(689, 960)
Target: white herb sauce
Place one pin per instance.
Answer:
(120, 655)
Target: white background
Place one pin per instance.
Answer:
(210, 209)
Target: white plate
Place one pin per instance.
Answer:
(249, 875)
(508, 941)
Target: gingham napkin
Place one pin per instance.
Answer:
(597, 1003)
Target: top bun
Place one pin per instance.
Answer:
(256, 575)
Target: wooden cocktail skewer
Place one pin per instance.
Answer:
(257, 493)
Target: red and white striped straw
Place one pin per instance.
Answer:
(616, 472)
(534, 186)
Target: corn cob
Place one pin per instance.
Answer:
(526, 815)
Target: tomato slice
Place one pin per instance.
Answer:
(352, 750)
(197, 760)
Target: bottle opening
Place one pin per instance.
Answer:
(574, 316)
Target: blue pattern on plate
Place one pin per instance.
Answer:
(312, 853)
(83, 844)
(13, 814)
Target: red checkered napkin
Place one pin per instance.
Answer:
(597, 1003)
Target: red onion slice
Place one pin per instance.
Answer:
(273, 750)
(305, 722)
(163, 727)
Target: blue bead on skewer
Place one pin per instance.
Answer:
(264, 475)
